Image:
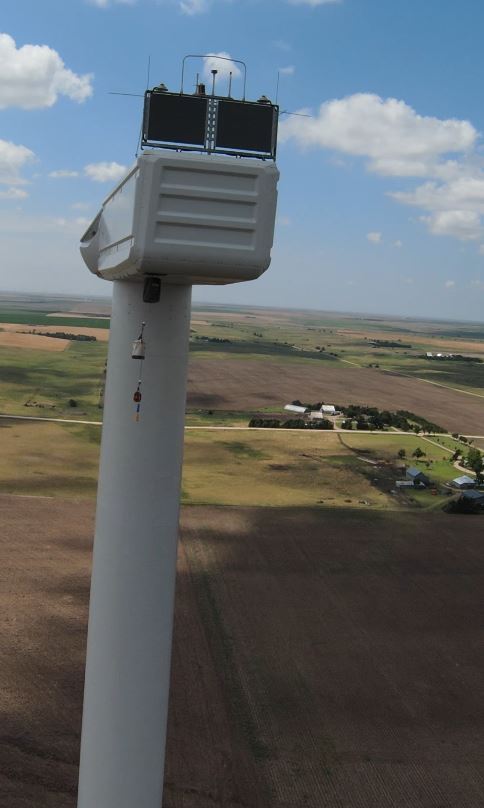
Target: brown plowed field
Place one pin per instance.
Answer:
(237, 384)
(321, 659)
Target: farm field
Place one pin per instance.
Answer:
(255, 360)
(265, 468)
(326, 650)
(321, 658)
(252, 384)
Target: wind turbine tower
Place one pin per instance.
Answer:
(197, 207)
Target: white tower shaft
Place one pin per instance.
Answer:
(133, 578)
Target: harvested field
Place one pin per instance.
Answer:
(416, 338)
(81, 315)
(101, 334)
(237, 384)
(12, 339)
(321, 659)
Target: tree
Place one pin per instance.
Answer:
(402, 453)
(418, 452)
(474, 461)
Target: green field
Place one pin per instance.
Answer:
(30, 317)
(53, 379)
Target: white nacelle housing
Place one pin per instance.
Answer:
(190, 218)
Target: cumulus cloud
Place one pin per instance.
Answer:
(34, 76)
(374, 237)
(105, 172)
(462, 224)
(63, 174)
(224, 65)
(13, 193)
(449, 284)
(398, 244)
(13, 158)
(396, 141)
(287, 71)
(463, 193)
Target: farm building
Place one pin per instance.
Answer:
(464, 482)
(296, 408)
(328, 409)
(418, 478)
(316, 415)
(476, 497)
(404, 484)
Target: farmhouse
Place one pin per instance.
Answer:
(464, 482)
(419, 479)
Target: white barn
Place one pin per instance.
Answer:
(295, 408)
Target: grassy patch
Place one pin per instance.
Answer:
(53, 379)
(47, 460)
(275, 469)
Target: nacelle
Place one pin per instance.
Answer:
(190, 218)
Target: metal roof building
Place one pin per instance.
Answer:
(417, 476)
(464, 482)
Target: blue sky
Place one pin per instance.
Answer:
(381, 205)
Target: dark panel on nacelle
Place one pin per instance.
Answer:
(174, 118)
(245, 126)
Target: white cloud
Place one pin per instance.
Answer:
(449, 284)
(389, 133)
(463, 193)
(63, 174)
(106, 3)
(193, 7)
(462, 224)
(13, 193)
(33, 76)
(81, 206)
(105, 172)
(374, 237)
(477, 285)
(397, 141)
(13, 158)
(287, 71)
(398, 244)
(314, 2)
(225, 65)
(282, 45)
